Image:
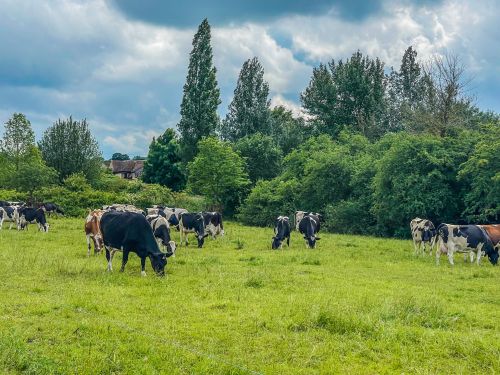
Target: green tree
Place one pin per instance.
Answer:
(163, 164)
(248, 112)
(481, 176)
(33, 174)
(201, 95)
(218, 173)
(262, 156)
(69, 147)
(289, 132)
(120, 156)
(18, 138)
(416, 176)
(350, 93)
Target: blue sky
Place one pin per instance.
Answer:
(122, 63)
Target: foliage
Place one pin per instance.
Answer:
(268, 200)
(289, 132)
(69, 147)
(18, 139)
(350, 93)
(415, 177)
(218, 173)
(481, 175)
(262, 156)
(248, 112)
(33, 174)
(120, 156)
(163, 165)
(201, 95)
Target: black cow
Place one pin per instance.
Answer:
(281, 231)
(32, 215)
(193, 223)
(131, 232)
(465, 239)
(161, 231)
(52, 207)
(309, 226)
(213, 223)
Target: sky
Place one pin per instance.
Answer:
(122, 64)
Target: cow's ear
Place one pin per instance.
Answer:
(206, 235)
(318, 238)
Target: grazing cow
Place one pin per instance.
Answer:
(192, 223)
(281, 231)
(173, 214)
(11, 214)
(93, 230)
(493, 232)
(423, 232)
(131, 232)
(52, 207)
(161, 231)
(32, 215)
(309, 226)
(213, 223)
(464, 239)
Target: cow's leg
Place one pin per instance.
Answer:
(180, 235)
(451, 250)
(88, 245)
(109, 257)
(143, 266)
(288, 241)
(124, 260)
(478, 254)
(415, 246)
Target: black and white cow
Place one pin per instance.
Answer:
(213, 223)
(51, 208)
(161, 231)
(281, 231)
(10, 214)
(423, 232)
(4, 204)
(32, 215)
(465, 239)
(131, 232)
(309, 226)
(123, 208)
(192, 223)
(166, 212)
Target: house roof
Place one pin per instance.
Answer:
(127, 166)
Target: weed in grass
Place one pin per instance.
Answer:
(239, 244)
(254, 282)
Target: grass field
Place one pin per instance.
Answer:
(354, 305)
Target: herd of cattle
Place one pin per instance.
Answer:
(472, 240)
(125, 228)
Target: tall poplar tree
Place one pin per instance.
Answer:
(249, 110)
(201, 95)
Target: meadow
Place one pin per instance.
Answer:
(358, 305)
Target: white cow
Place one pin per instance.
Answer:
(423, 232)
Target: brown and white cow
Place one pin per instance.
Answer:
(93, 230)
(423, 232)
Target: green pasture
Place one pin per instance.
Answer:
(355, 305)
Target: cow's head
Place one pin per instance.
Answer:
(159, 261)
(311, 241)
(171, 249)
(201, 239)
(173, 221)
(276, 243)
(493, 256)
(428, 233)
